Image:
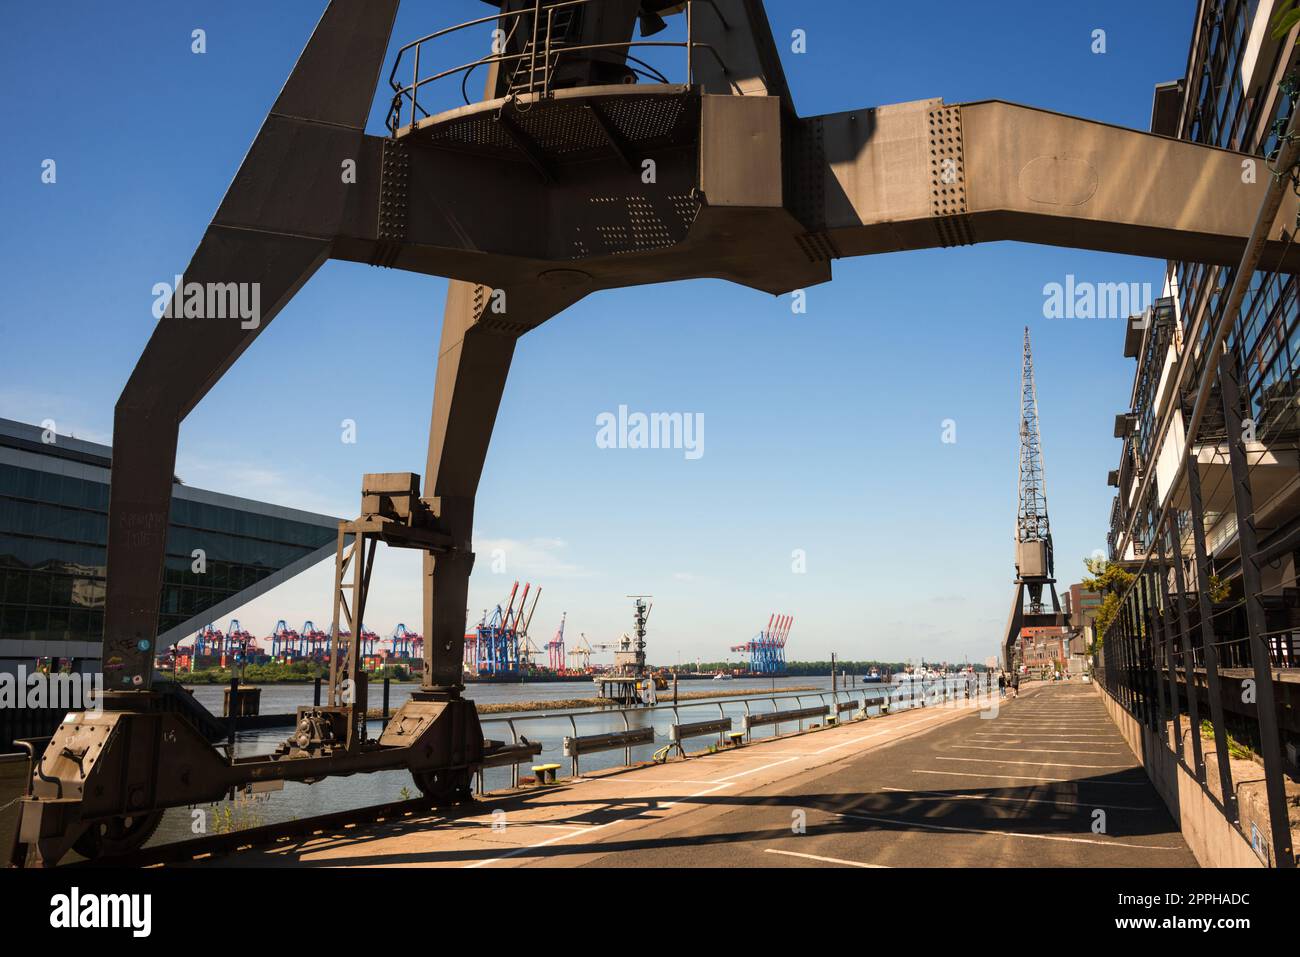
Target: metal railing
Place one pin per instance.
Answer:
(539, 45)
(914, 694)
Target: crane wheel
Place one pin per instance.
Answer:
(444, 787)
(117, 836)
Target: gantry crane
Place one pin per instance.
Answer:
(529, 200)
(582, 652)
(766, 650)
(555, 648)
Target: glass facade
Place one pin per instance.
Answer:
(53, 532)
(1267, 337)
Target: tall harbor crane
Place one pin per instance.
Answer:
(581, 652)
(1035, 563)
(555, 648)
(582, 168)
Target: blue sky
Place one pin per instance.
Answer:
(822, 430)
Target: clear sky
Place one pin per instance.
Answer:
(822, 430)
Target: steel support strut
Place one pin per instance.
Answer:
(1168, 627)
(1210, 647)
(1251, 581)
(473, 362)
(1185, 641)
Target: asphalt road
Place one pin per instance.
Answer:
(1048, 782)
(1045, 780)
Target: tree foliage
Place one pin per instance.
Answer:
(1286, 17)
(1110, 580)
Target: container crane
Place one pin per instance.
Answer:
(314, 641)
(582, 653)
(500, 648)
(555, 648)
(239, 642)
(284, 640)
(766, 650)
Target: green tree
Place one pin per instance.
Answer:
(1286, 17)
(1110, 580)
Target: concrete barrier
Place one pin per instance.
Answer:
(1213, 839)
(696, 729)
(777, 717)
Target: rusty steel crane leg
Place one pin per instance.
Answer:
(479, 330)
(317, 122)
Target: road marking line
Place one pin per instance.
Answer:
(1046, 734)
(1038, 764)
(530, 847)
(986, 747)
(1028, 777)
(980, 830)
(989, 797)
(586, 830)
(1056, 727)
(1050, 739)
(826, 860)
(1002, 777)
(566, 827)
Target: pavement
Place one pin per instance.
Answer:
(1043, 780)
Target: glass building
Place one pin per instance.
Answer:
(1238, 93)
(53, 533)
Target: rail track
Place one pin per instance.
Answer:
(269, 835)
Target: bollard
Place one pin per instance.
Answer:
(232, 719)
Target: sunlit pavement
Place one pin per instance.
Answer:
(1045, 780)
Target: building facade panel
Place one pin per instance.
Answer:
(53, 534)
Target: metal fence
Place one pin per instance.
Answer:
(542, 33)
(1183, 644)
(791, 708)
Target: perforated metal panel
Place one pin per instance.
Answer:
(633, 224)
(642, 117)
(948, 177)
(561, 129)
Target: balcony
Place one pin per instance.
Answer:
(544, 48)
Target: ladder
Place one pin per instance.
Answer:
(532, 71)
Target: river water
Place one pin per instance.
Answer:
(298, 800)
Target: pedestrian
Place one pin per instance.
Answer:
(1015, 685)
(1002, 684)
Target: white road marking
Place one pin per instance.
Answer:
(1021, 750)
(1038, 764)
(586, 830)
(1000, 777)
(938, 795)
(1043, 734)
(980, 830)
(825, 860)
